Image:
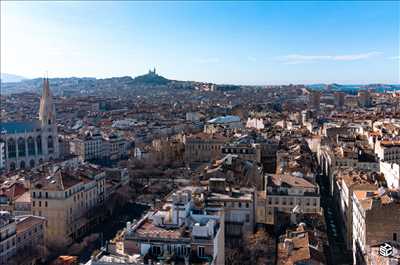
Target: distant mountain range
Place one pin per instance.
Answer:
(143, 84)
(88, 85)
(8, 78)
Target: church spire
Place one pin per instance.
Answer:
(47, 109)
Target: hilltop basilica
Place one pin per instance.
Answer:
(30, 143)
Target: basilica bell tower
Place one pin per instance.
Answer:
(47, 117)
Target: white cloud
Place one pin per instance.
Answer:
(299, 58)
(207, 60)
(395, 58)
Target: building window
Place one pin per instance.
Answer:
(156, 250)
(31, 146)
(247, 205)
(394, 236)
(247, 218)
(45, 204)
(12, 149)
(21, 147)
(200, 251)
(50, 145)
(40, 204)
(39, 144)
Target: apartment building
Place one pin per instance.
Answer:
(315, 99)
(333, 159)
(115, 147)
(347, 182)
(237, 205)
(251, 152)
(8, 235)
(286, 193)
(388, 151)
(30, 243)
(88, 146)
(183, 230)
(203, 147)
(376, 220)
(70, 199)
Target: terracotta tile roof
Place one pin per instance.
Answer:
(28, 222)
(299, 251)
(278, 180)
(14, 190)
(149, 230)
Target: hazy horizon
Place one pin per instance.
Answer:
(205, 81)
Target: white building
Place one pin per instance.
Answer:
(346, 183)
(255, 123)
(391, 172)
(388, 151)
(184, 228)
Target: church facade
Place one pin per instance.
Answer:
(30, 143)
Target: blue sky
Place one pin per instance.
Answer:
(222, 42)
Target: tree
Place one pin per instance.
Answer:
(254, 250)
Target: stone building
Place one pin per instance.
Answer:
(376, 220)
(286, 193)
(8, 237)
(30, 239)
(203, 147)
(70, 198)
